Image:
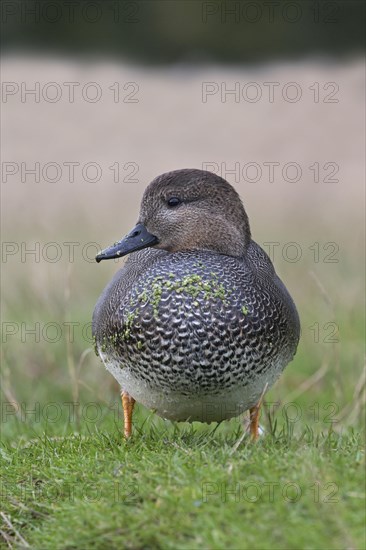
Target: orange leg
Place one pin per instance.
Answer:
(128, 404)
(254, 420)
(254, 414)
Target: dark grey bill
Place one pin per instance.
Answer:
(137, 239)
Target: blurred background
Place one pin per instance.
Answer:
(98, 98)
(164, 31)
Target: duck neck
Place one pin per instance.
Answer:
(222, 237)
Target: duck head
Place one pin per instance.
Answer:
(187, 210)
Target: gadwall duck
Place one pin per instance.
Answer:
(196, 325)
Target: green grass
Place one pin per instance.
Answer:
(181, 485)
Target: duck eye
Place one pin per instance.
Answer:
(173, 201)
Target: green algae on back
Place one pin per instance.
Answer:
(189, 284)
